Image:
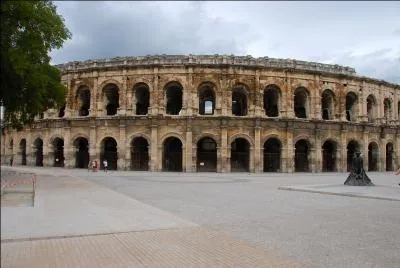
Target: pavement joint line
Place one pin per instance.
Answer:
(29, 239)
(289, 188)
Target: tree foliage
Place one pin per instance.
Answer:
(29, 84)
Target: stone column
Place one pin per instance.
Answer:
(122, 96)
(154, 148)
(257, 150)
(190, 94)
(362, 108)
(94, 149)
(224, 150)
(365, 149)
(382, 155)
(313, 159)
(121, 162)
(69, 150)
(318, 152)
(343, 151)
(188, 151)
(288, 152)
(153, 108)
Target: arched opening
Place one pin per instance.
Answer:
(301, 156)
(389, 156)
(139, 154)
(81, 152)
(301, 102)
(240, 155)
(239, 100)
(58, 148)
(109, 152)
(111, 93)
(351, 101)
(271, 101)
(206, 99)
(174, 92)
(329, 150)
(142, 98)
(61, 112)
(373, 156)
(83, 97)
(207, 155)
(371, 108)
(352, 148)
(272, 155)
(22, 149)
(387, 109)
(38, 149)
(172, 154)
(327, 100)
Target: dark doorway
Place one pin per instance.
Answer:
(239, 103)
(302, 150)
(174, 98)
(58, 148)
(352, 148)
(327, 101)
(351, 100)
(271, 101)
(240, 155)
(82, 153)
(373, 156)
(83, 97)
(329, 156)
(207, 155)
(22, 149)
(272, 155)
(112, 99)
(301, 103)
(389, 157)
(38, 148)
(172, 154)
(206, 100)
(142, 97)
(139, 154)
(109, 153)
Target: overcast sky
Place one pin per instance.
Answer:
(363, 35)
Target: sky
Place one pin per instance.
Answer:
(362, 35)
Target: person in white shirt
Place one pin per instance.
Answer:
(105, 164)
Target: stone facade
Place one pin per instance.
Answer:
(214, 113)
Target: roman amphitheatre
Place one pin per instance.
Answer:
(214, 113)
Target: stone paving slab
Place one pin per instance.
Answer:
(182, 247)
(382, 192)
(65, 206)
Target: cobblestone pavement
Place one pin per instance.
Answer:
(308, 229)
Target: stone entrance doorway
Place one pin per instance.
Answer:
(272, 155)
(172, 154)
(81, 153)
(110, 153)
(240, 155)
(207, 155)
(302, 150)
(139, 154)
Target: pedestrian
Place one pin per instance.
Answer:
(105, 164)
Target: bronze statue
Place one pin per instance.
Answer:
(358, 177)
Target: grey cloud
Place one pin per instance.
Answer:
(145, 30)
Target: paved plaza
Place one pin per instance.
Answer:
(146, 219)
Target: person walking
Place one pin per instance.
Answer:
(105, 164)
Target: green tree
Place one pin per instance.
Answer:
(29, 84)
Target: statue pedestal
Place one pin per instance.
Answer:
(358, 179)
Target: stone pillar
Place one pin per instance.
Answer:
(224, 150)
(121, 162)
(258, 167)
(364, 150)
(188, 151)
(190, 93)
(226, 97)
(154, 94)
(69, 150)
(94, 150)
(289, 96)
(343, 151)
(362, 108)
(312, 159)
(47, 154)
(288, 152)
(122, 96)
(318, 151)
(382, 154)
(154, 148)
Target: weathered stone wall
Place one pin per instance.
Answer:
(223, 73)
